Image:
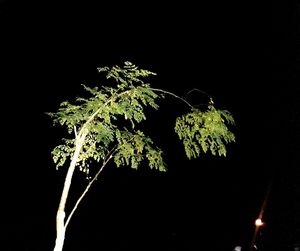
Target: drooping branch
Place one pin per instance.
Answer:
(172, 94)
(203, 92)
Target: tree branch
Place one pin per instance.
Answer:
(172, 94)
(108, 158)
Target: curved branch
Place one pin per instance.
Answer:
(100, 108)
(203, 92)
(172, 94)
(198, 90)
(183, 99)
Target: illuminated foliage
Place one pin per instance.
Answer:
(104, 126)
(205, 131)
(100, 116)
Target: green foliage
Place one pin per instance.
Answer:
(134, 147)
(100, 123)
(205, 131)
(102, 113)
(62, 152)
(106, 103)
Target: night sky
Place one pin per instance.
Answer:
(243, 54)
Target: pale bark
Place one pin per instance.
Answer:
(60, 231)
(60, 217)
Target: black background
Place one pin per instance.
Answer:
(243, 54)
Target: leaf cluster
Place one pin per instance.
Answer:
(205, 131)
(134, 147)
(101, 115)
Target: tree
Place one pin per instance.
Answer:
(104, 126)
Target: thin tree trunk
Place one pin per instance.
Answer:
(60, 216)
(60, 231)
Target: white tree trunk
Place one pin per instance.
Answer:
(60, 231)
(60, 216)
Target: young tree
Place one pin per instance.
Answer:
(105, 129)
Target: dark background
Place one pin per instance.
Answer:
(243, 54)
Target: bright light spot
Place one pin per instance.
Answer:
(258, 223)
(237, 248)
